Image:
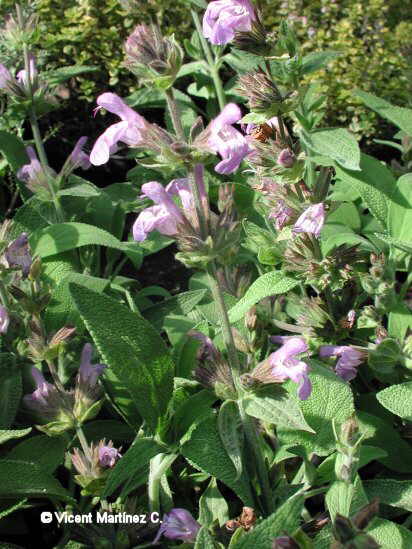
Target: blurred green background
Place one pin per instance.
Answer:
(374, 38)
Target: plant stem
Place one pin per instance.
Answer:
(175, 114)
(259, 462)
(196, 185)
(225, 323)
(4, 298)
(158, 467)
(83, 441)
(214, 71)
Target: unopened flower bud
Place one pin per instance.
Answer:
(155, 59)
(284, 542)
(286, 158)
(18, 254)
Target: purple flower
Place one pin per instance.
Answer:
(225, 17)
(311, 221)
(4, 320)
(38, 400)
(286, 158)
(285, 365)
(108, 456)
(224, 139)
(165, 216)
(88, 372)
(281, 214)
(127, 131)
(348, 361)
(207, 349)
(78, 158)
(5, 76)
(18, 254)
(178, 524)
(32, 172)
(22, 75)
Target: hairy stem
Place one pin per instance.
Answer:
(214, 71)
(83, 441)
(175, 114)
(158, 467)
(252, 438)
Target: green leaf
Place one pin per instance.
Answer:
(67, 236)
(204, 540)
(47, 452)
(331, 399)
(284, 521)
(400, 116)
(9, 434)
(400, 210)
(179, 304)
(314, 61)
(134, 463)
(400, 244)
(335, 143)
(274, 405)
(266, 285)
(390, 535)
(343, 237)
(7, 509)
(381, 433)
(13, 150)
(326, 470)
(345, 498)
(206, 452)
(108, 428)
(60, 75)
(397, 493)
(132, 348)
(61, 309)
(375, 184)
(400, 319)
(11, 389)
(254, 118)
(212, 506)
(231, 433)
(398, 399)
(21, 478)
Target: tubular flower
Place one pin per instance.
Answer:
(285, 365)
(5, 76)
(178, 524)
(221, 137)
(108, 455)
(32, 173)
(223, 18)
(349, 359)
(165, 216)
(78, 158)
(311, 221)
(127, 131)
(22, 78)
(281, 214)
(4, 320)
(18, 254)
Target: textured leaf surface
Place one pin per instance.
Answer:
(397, 399)
(22, 478)
(284, 521)
(266, 285)
(212, 505)
(134, 463)
(231, 433)
(335, 143)
(61, 237)
(381, 433)
(331, 399)
(275, 405)
(61, 309)
(375, 183)
(13, 150)
(400, 210)
(205, 451)
(132, 348)
(204, 540)
(11, 390)
(397, 493)
(400, 116)
(9, 434)
(47, 452)
(390, 535)
(179, 304)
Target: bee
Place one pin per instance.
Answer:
(263, 132)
